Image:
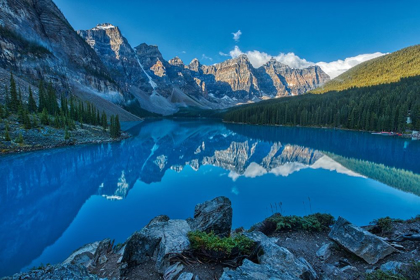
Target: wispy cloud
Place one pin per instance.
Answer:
(223, 54)
(204, 56)
(333, 69)
(237, 35)
(184, 52)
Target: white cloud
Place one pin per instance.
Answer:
(338, 67)
(333, 69)
(237, 35)
(223, 54)
(204, 56)
(184, 52)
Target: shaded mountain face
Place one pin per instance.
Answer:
(38, 43)
(99, 65)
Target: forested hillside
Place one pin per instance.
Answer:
(375, 108)
(385, 69)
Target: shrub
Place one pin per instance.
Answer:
(313, 222)
(383, 225)
(412, 272)
(209, 247)
(382, 275)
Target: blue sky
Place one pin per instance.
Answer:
(313, 30)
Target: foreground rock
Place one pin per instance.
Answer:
(213, 215)
(161, 250)
(56, 272)
(360, 242)
(252, 271)
(280, 259)
(158, 242)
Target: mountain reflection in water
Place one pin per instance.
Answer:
(53, 201)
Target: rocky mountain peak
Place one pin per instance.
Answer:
(104, 26)
(194, 65)
(176, 61)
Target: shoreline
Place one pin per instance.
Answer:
(406, 136)
(69, 143)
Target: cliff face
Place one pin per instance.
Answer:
(37, 43)
(100, 66)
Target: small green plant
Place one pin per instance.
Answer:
(411, 272)
(383, 275)
(229, 251)
(313, 222)
(19, 139)
(211, 242)
(66, 134)
(383, 225)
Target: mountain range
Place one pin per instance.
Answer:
(100, 66)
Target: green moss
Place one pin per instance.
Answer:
(209, 242)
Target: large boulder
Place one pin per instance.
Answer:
(83, 255)
(213, 215)
(360, 242)
(280, 259)
(158, 242)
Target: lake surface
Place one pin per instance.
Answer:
(52, 202)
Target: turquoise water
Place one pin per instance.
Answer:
(52, 202)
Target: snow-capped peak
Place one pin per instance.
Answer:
(104, 26)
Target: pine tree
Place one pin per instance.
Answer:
(7, 97)
(26, 119)
(117, 126)
(20, 138)
(66, 134)
(41, 97)
(6, 134)
(104, 121)
(44, 117)
(31, 102)
(14, 102)
(112, 127)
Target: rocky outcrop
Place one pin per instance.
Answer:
(56, 272)
(213, 216)
(157, 242)
(360, 242)
(281, 259)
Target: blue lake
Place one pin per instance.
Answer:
(52, 202)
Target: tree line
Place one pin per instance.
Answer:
(387, 107)
(62, 114)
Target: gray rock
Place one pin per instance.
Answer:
(104, 248)
(57, 272)
(331, 272)
(172, 271)
(281, 259)
(83, 255)
(186, 276)
(360, 242)
(349, 268)
(214, 215)
(252, 271)
(394, 266)
(157, 242)
(158, 219)
(325, 251)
